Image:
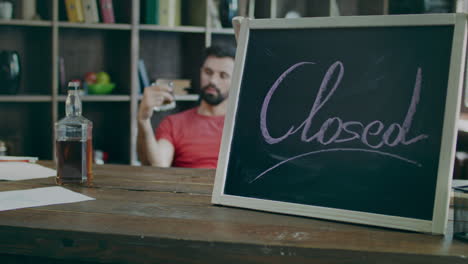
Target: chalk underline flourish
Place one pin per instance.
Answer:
(337, 149)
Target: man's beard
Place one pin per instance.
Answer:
(212, 99)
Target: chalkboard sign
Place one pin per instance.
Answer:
(345, 118)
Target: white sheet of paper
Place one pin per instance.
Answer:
(10, 200)
(15, 171)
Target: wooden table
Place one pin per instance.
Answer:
(153, 215)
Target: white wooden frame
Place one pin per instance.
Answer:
(449, 130)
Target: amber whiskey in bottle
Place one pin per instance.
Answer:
(73, 138)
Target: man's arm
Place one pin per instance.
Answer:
(151, 151)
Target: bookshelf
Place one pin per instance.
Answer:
(27, 118)
(28, 23)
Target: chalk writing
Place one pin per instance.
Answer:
(345, 131)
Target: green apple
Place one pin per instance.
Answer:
(102, 77)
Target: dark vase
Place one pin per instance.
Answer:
(228, 9)
(10, 71)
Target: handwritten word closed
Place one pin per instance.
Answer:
(342, 130)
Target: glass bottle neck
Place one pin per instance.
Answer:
(73, 104)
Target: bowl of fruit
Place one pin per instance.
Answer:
(99, 83)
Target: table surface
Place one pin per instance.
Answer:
(151, 215)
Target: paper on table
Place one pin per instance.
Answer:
(15, 171)
(18, 158)
(39, 197)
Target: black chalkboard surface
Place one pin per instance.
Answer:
(350, 119)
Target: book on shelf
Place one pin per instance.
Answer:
(334, 8)
(62, 78)
(213, 12)
(74, 10)
(419, 7)
(151, 11)
(244, 8)
(195, 12)
(180, 86)
(143, 74)
(227, 11)
(169, 13)
(439, 6)
(26, 9)
(90, 11)
(107, 11)
(461, 6)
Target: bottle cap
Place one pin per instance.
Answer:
(74, 85)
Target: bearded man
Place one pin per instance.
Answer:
(190, 138)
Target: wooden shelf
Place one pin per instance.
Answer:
(99, 98)
(28, 23)
(86, 98)
(25, 98)
(227, 31)
(184, 29)
(187, 97)
(95, 26)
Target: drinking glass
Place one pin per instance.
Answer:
(167, 105)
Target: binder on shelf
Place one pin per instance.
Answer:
(169, 13)
(107, 11)
(152, 13)
(90, 11)
(74, 10)
(143, 74)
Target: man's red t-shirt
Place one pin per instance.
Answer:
(196, 138)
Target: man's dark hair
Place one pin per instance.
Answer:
(219, 51)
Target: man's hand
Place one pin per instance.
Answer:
(153, 96)
(151, 151)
